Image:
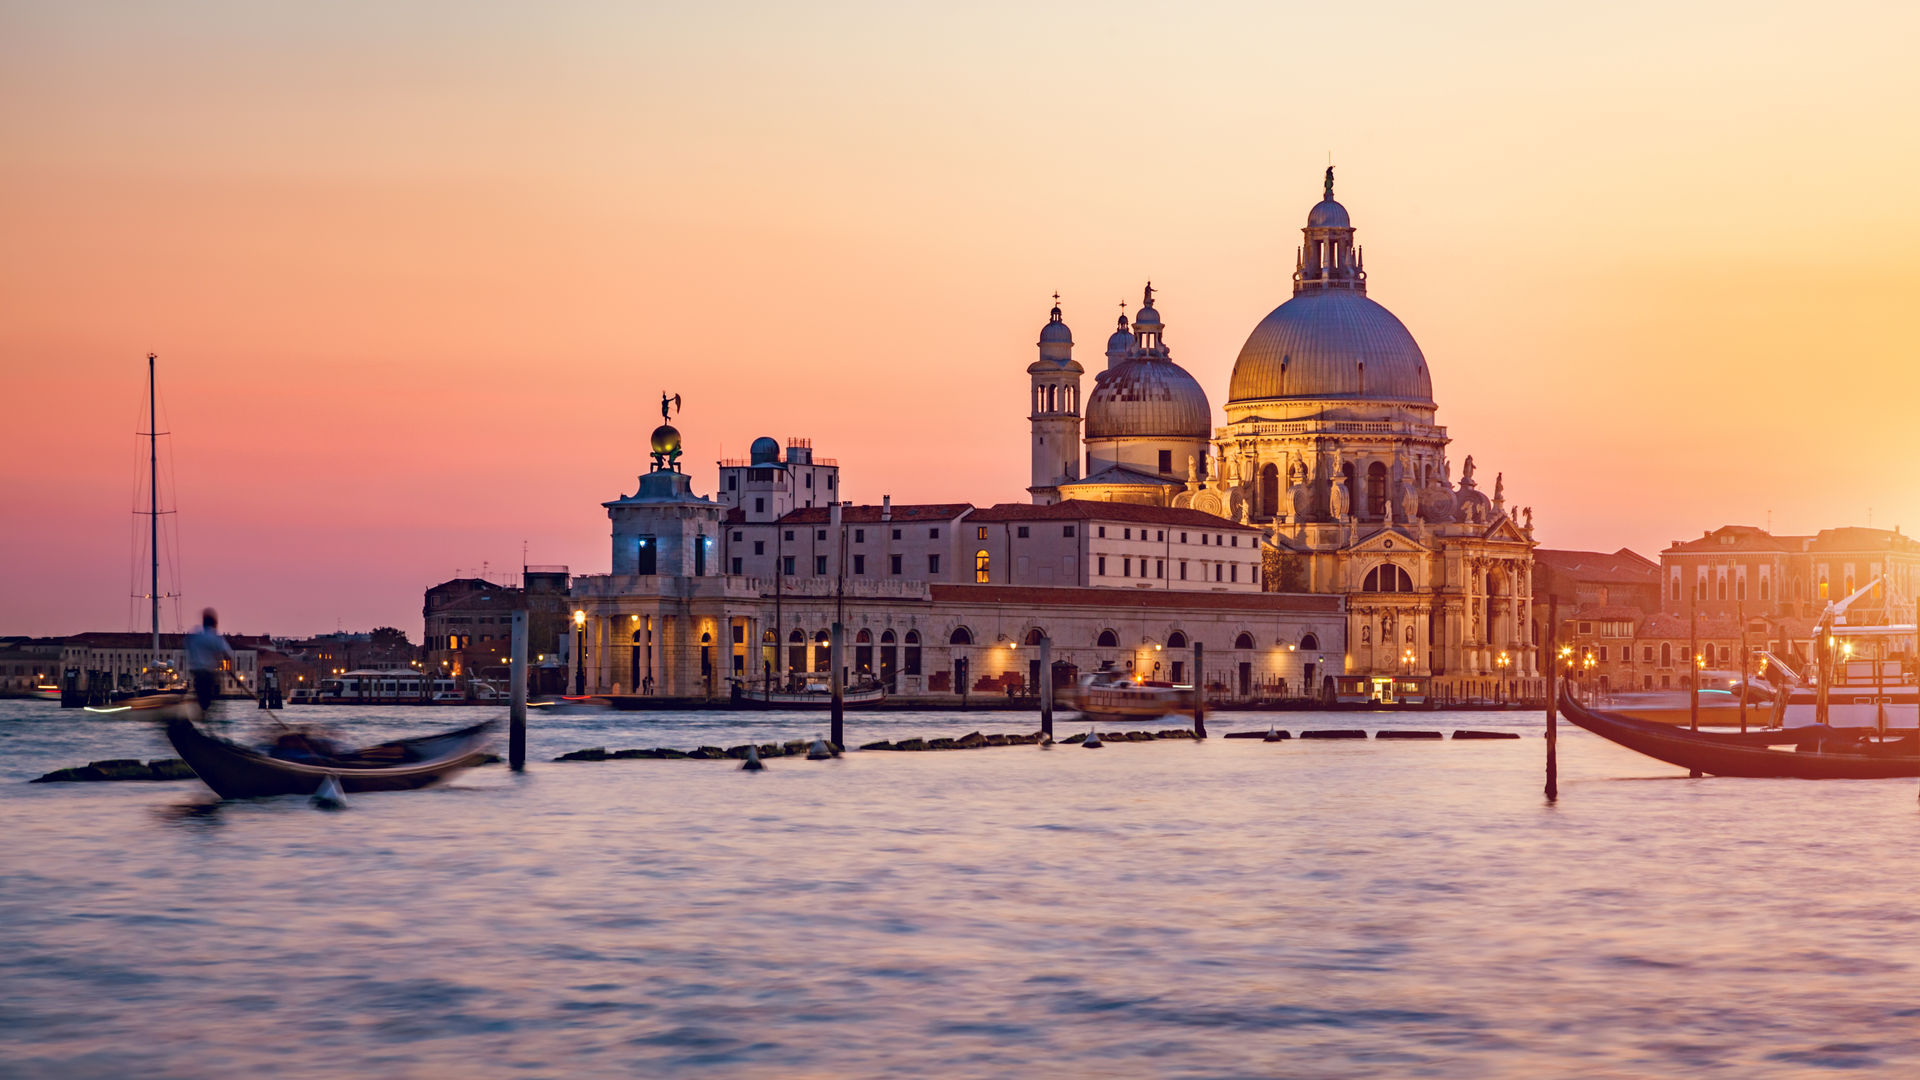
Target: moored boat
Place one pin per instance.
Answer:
(299, 767)
(813, 693)
(1826, 755)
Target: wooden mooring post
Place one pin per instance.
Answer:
(1553, 700)
(517, 700)
(1046, 687)
(1199, 692)
(835, 654)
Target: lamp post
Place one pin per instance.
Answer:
(1501, 663)
(579, 653)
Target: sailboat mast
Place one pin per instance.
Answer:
(153, 510)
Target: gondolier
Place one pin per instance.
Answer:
(206, 651)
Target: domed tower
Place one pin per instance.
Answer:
(1056, 410)
(1148, 421)
(1326, 358)
(1332, 438)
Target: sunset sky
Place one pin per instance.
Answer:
(418, 274)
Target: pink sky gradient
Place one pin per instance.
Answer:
(417, 278)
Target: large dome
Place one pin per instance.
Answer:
(1313, 346)
(1148, 397)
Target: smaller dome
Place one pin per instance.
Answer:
(1122, 338)
(765, 450)
(1327, 214)
(1147, 397)
(1055, 332)
(1146, 316)
(666, 439)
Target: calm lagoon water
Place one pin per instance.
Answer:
(1223, 909)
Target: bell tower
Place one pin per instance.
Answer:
(1054, 410)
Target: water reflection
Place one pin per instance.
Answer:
(1233, 908)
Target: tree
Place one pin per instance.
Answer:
(389, 638)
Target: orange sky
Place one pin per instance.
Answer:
(418, 278)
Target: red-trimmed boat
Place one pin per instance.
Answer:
(1817, 755)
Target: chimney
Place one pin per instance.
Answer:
(886, 508)
(833, 514)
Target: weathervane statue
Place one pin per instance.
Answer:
(666, 437)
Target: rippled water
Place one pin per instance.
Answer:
(1223, 909)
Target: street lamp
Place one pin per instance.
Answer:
(579, 659)
(1501, 662)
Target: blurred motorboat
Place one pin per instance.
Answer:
(1109, 694)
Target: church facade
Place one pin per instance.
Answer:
(1332, 446)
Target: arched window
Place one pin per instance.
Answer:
(981, 564)
(961, 636)
(768, 637)
(1376, 491)
(1387, 578)
(1108, 640)
(822, 637)
(797, 638)
(1310, 642)
(1740, 589)
(1269, 490)
(1244, 641)
(1720, 589)
(913, 637)
(1675, 591)
(863, 637)
(910, 660)
(886, 637)
(1666, 654)
(1763, 587)
(1035, 636)
(1176, 640)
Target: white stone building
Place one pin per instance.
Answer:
(1331, 445)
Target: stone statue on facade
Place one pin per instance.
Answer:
(1408, 488)
(1466, 473)
(1193, 470)
(1499, 494)
(1299, 494)
(1527, 513)
(1338, 501)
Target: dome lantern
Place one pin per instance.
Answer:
(1329, 341)
(1120, 342)
(1328, 259)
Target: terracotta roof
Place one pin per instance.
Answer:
(1622, 567)
(1121, 476)
(868, 515)
(1734, 538)
(1858, 539)
(1610, 611)
(1669, 625)
(1042, 597)
(1088, 510)
(99, 639)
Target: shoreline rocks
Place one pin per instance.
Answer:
(119, 769)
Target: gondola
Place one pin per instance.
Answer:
(1837, 756)
(234, 771)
